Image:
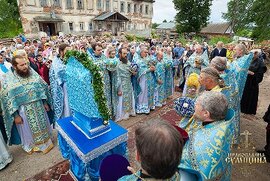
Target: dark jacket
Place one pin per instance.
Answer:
(266, 117)
(216, 52)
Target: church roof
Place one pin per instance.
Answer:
(111, 16)
(168, 25)
(217, 28)
(48, 19)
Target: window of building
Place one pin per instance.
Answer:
(90, 26)
(141, 9)
(43, 3)
(109, 27)
(70, 26)
(99, 4)
(122, 7)
(80, 4)
(56, 3)
(108, 5)
(122, 27)
(135, 8)
(81, 26)
(99, 26)
(128, 8)
(69, 4)
(147, 9)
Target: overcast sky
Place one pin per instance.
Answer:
(164, 9)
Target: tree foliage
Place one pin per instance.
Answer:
(192, 15)
(10, 24)
(155, 25)
(249, 15)
(238, 14)
(260, 16)
(216, 39)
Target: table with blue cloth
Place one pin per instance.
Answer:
(85, 155)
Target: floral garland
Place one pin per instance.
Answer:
(98, 86)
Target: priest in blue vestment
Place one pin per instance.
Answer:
(110, 80)
(240, 66)
(197, 61)
(57, 75)
(231, 91)
(168, 64)
(144, 92)
(5, 156)
(159, 149)
(160, 98)
(108, 68)
(25, 101)
(210, 144)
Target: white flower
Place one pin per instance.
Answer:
(185, 105)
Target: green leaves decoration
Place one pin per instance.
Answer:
(98, 85)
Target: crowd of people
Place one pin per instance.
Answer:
(137, 78)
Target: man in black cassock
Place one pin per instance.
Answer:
(251, 91)
(266, 150)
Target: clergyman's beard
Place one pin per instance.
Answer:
(124, 60)
(23, 74)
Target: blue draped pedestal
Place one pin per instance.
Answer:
(85, 155)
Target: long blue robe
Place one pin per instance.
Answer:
(28, 92)
(202, 60)
(111, 83)
(189, 66)
(232, 93)
(183, 174)
(144, 72)
(240, 68)
(208, 147)
(160, 88)
(57, 76)
(169, 84)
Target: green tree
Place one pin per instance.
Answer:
(10, 24)
(164, 21)
(155, 25)
(249, 15)
(192, 15)
(239, 12)
(261, 20)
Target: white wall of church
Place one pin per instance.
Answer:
(81, 13)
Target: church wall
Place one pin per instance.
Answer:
(29, 9)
